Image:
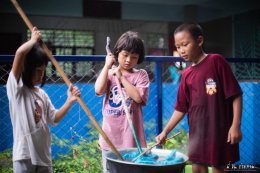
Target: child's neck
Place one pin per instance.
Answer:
(127, 71)
(200, 58)
(35, 88)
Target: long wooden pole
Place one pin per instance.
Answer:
(67, 81)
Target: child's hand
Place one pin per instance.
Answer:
(234, 135)
(116, 71)
(160, 139)
(110, 60)
(36, 34)
(73, 92)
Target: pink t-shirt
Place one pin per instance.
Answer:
(115, 123)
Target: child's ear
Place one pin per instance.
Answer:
(200, 40)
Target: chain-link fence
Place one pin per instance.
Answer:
(75, 138)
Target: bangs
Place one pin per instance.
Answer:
(132, 45)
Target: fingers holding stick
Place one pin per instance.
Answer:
(110, 58)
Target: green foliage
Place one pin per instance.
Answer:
(6, 165)
(83, 157)
(6, 154)
(179, 143)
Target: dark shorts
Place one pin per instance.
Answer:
(26, 166)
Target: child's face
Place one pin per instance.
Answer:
(187, 47)
(127, 60)
(39, 73)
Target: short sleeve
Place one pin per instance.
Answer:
(230, 84)
(142, 84)
(13, 86)
(51, 111)
(182, 103)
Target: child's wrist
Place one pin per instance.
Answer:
(33, 42)
(165, 132)
(236, 125)
(107, 66)
(70, 102)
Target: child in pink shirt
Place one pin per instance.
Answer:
(128, 52)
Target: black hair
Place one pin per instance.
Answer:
(36, 57)
(193, 28)
(131, 42)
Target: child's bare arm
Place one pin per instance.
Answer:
(73, 93)
(101, 82)
(22, 51)
(175, 119)
(131, 90)
(235, 134)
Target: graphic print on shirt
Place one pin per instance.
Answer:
(38, 110)
(115, 102)
(211, 87)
